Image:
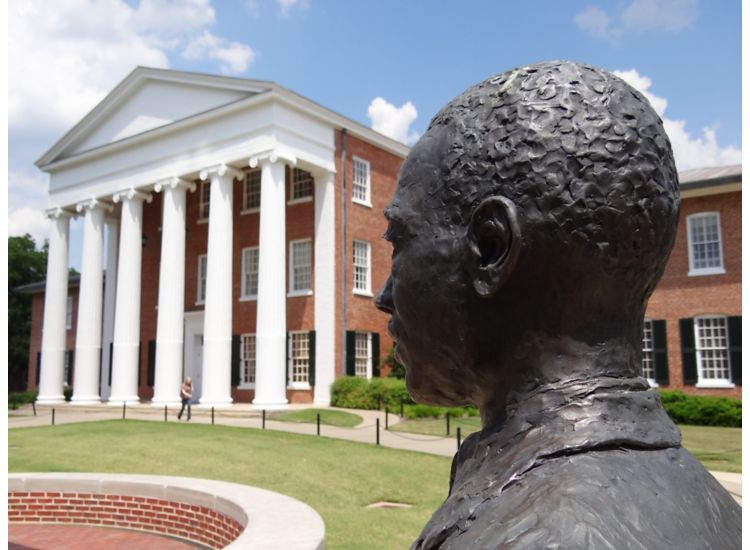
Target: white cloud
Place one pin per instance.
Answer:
(393, 121)
(287, 5)
(637, 16)
(233, 56)
(28, 220)
(689, 151)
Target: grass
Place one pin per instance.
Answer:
(327, 416)
(337, 478)
(717, 448)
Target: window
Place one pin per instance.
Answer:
(362, 267)
(202, 270)
(69, 313)
(712, 350)
(302, 186)
(648, 367)
(362, 354)
(704, 244)
(300, 267)
(299, 358)
(205, 200)
(249, 272)
(361, 182)
(66, 368)
(247, 359)
(251, 195)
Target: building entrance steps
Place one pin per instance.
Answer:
(246, 416)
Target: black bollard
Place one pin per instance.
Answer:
(165, 413)
(53, 417)
(386, 417)
(377, 431)
(458, 437)
(447, 424)
(123, 410)
(318, 423)
(33, 406)
(264, 419)
(212, 416)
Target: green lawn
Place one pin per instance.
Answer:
(717, 448)
(327, 416)
(337, 478)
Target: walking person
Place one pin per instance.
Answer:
(186, 393)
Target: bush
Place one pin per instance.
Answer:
(423, 411)
(351, 392)
(699, 410)
(15, 400)
(397, 369)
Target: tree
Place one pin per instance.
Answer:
(26, 264)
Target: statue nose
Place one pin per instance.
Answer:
(384, 298)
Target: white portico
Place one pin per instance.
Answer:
(163, 133)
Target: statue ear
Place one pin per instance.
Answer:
(495, 241)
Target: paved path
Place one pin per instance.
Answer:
(244, 415)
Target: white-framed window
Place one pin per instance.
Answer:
(69, 313)
(66, 368)
(361, 273)
(704, 244)
(301, 187)
(202, 272)
(249, 285)
(300, 267)
(205, 201)
(361, 181)
(251, 191)
(247, 361)
(648, 366)
(363, 354)
(299, 359)
(712, 352)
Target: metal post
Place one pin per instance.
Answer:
(264, 419)
(33, 406)
(377, 431)
(386, 417)
(123, 410)
(318, 423)
(165, 413)
(212, 416)
(53, 417)
(447, 424)
(458, 437)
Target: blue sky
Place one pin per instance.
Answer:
(413, 55)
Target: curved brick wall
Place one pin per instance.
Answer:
(211, 513)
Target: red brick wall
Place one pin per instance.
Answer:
(681, 296)
(151, 253)
(187, 521)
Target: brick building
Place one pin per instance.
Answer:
(241, 229)
(204, 190)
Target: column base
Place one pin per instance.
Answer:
(86, 400)
(115, 401)
(50, 399)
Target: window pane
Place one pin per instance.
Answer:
(301, 266)
(302, 184)
(205, 200)
(705, 241)
(247, 359)
(252, 190)
(361, 265)
(202, 268)
(250, 271)
(300, 356)
(711, 348)
(362, 356)
(361, 181)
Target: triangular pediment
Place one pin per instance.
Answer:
(146, 100)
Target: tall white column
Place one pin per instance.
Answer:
(110, 285)
(270, 332)
(170, 324)
(325, 288)
(55, 305)
(128, 303)
(217, 324)
(89, 328)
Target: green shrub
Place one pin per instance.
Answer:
(423, 411)
(699, 410)
(15, 400)
(397, 369)
(351, 392)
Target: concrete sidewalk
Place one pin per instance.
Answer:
(245, 416)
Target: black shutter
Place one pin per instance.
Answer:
(38, 367)
(70, 367)
(661, 363)
(311, 360)
(109, 380)
(350, 352)
(687, 340)
(288, 345)
(151, 362)
(375, 343)
(139, 364)
(735, 348)
(235, 360)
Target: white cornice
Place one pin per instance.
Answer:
(710, 190)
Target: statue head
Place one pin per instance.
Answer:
(530, 222)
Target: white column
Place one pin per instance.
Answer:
(270, 332)
(110, 284)
(325, 288)
(128, 303)
(170, 324)
(217, 324)
(55, 306)
(89, 329)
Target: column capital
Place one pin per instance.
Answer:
(92, 204)
(272, 154)
(131, 194)
(174, 183)
(58, 212)
(220, 170)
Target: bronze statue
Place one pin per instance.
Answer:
(530, 224)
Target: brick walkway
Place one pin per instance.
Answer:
(80, 537)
